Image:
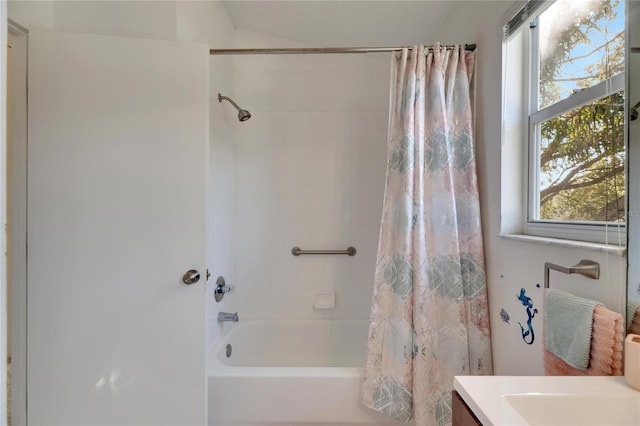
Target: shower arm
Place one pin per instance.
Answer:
(221, 97)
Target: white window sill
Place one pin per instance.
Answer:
(604, 248)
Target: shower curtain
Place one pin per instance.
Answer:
(429, 317)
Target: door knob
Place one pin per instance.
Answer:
(191, 277)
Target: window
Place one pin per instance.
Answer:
(572, 65)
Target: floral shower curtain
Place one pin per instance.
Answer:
(429, 316)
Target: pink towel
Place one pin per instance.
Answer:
(606, 348)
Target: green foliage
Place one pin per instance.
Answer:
(580, 31)
(582, 163)
(582, 151)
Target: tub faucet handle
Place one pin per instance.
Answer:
(221, 289)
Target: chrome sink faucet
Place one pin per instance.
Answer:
(226, 316)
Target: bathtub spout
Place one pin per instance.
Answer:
(226, 316)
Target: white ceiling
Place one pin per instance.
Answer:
(343, 23)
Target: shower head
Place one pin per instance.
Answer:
(243, 114)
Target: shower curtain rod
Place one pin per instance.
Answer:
(312, 50)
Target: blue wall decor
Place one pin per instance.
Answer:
(527, 335)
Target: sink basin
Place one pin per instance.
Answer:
(545, 409)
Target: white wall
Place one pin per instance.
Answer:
(34, 15)
(310, 173)
(512, 265)
(130, 19)
(188, 21)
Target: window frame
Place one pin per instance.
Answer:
(596, 231)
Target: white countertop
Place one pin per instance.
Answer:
(485, 395)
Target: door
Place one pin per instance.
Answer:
(117, 151)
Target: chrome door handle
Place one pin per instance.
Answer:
(191, 277)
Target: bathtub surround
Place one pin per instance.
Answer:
(310, 167)
(309, 173)
(293, 373)
(429, 317)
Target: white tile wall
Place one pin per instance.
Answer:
(312, 180)
(310, 172)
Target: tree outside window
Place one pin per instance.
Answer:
(577, 117)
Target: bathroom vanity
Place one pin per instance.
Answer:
(544, 400)
(462, 415)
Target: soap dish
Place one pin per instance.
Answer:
(324, 301)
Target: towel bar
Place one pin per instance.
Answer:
(297, 251)
(586, 268)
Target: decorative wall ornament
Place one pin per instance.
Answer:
(528, 335)
(504, 316)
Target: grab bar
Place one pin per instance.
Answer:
(586, 268)
(297, 251)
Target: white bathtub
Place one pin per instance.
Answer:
(287, 373)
